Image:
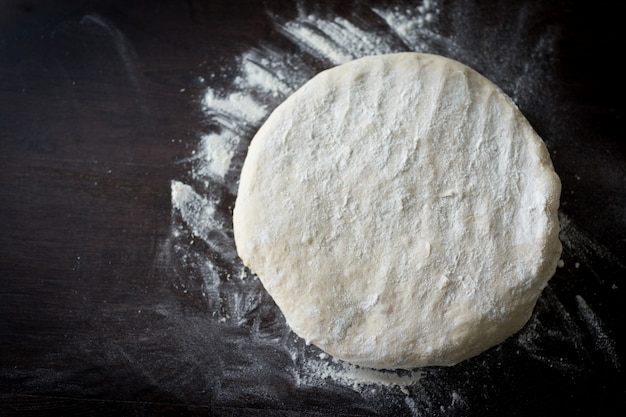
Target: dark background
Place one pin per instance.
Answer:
(93, 130)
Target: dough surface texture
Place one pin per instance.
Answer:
(401, 212)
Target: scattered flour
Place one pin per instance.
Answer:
(337, 41)
(412, 26)
(355, 376)
(217, 152)
(193, 206)
(602, 341)
(237, 107)
(578, 245)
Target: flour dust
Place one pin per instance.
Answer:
(202, 202)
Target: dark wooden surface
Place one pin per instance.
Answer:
(99, 109)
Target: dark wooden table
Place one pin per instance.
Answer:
(101, 312)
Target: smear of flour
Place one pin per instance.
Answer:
(192, 205)
(413, 26)
(583, 248)
(217, 150)
(601, 340)
(317, 370)
(337, 41)
(265, 75)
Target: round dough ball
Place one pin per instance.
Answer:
(401, 212)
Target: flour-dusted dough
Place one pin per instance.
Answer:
(401, 212)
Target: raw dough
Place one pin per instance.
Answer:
(401, 212)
